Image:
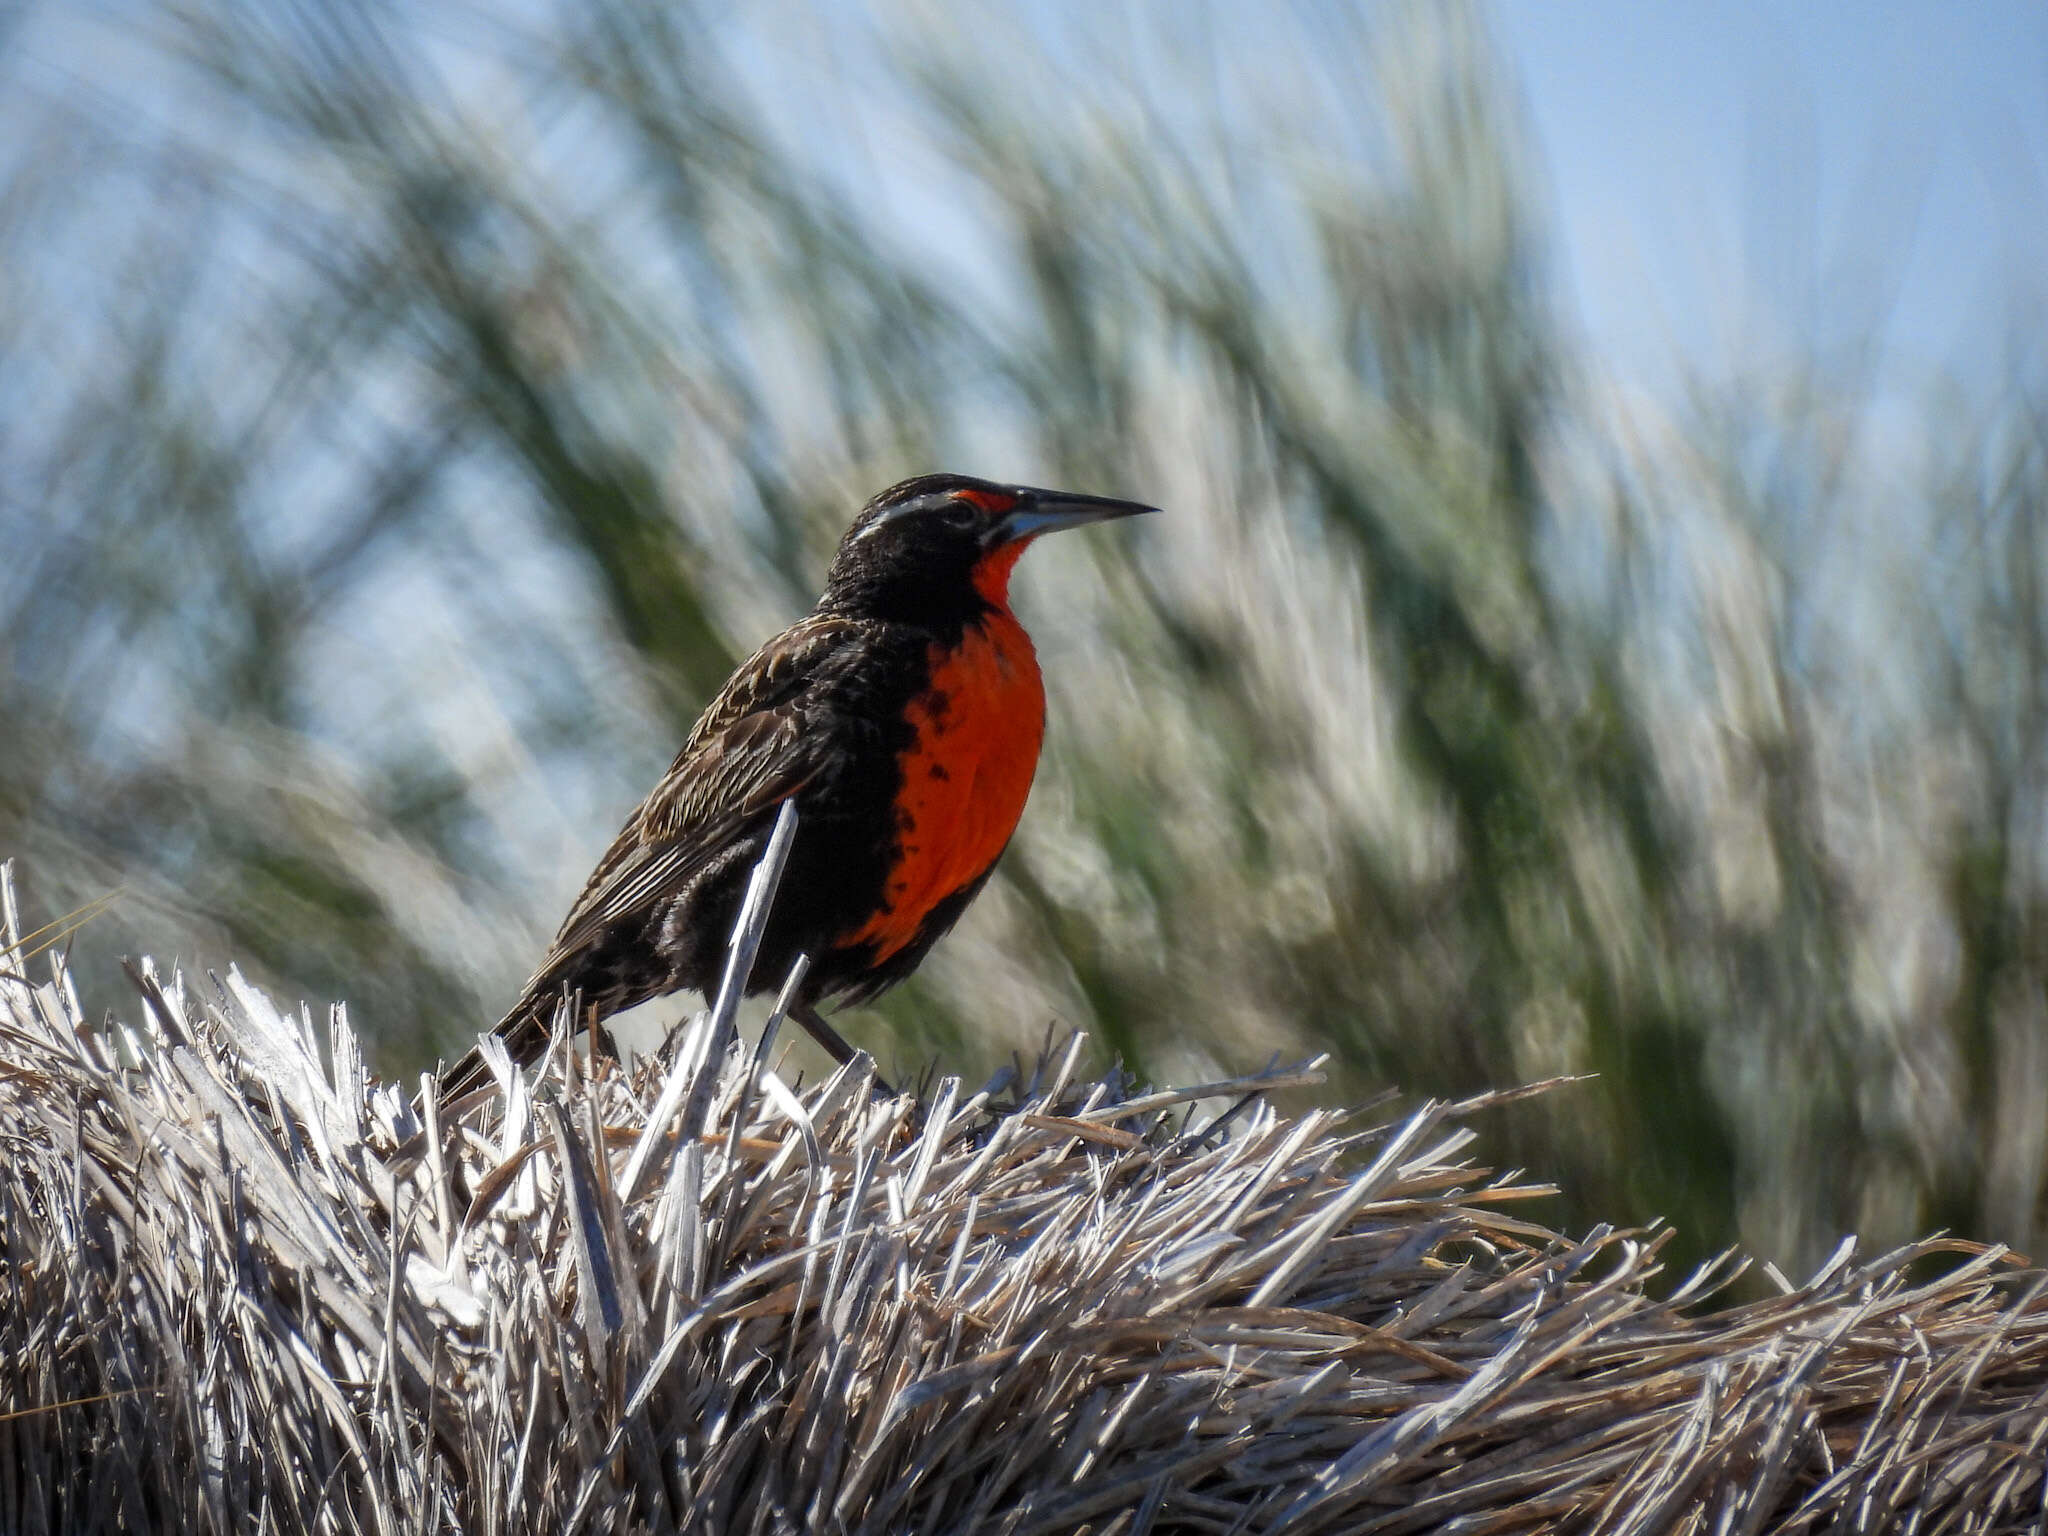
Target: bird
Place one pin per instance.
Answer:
(903, 715)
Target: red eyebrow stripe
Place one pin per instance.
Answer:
(988, 501)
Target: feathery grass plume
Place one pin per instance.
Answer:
(244, 1287)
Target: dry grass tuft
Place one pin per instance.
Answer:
(247, 1288)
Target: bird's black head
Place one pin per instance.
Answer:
(939, 549)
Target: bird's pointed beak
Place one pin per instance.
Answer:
(1039, 512)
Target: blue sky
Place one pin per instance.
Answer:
(1728, 180)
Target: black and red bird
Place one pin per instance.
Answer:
(903, 716)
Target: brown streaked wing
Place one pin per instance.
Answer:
(750, 750)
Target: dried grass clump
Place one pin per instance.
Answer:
(245, 1288)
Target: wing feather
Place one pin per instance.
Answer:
(754, 746)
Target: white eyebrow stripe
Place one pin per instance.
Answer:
(923, 503)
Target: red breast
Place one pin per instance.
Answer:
(967, 772)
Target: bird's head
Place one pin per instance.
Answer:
(941, 547)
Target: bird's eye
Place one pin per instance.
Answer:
(961, 515)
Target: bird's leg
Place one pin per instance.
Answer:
(837, 1046)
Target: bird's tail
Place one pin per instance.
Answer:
(525, 1032)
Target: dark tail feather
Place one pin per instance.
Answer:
(526, 1031)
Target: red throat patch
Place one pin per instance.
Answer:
(992, 573)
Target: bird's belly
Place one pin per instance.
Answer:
(963, 779)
